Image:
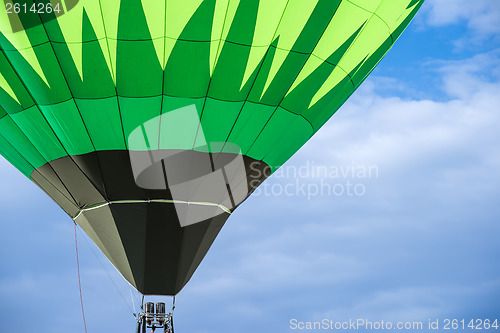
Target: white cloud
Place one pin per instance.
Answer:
(480, 16)
(407, 251)
(475, 79)
(396, 133)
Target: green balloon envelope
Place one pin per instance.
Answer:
(149, 122)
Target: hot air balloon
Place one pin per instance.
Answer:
(150, 121)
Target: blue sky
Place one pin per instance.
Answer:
(417, 238)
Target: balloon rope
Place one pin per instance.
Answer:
(79, 280)
(109, 275)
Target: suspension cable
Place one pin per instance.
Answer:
(79, 280)
(109, 275)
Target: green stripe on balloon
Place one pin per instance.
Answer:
(78, 112)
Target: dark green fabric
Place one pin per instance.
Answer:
(89, 77)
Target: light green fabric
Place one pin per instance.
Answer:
(264, 75)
